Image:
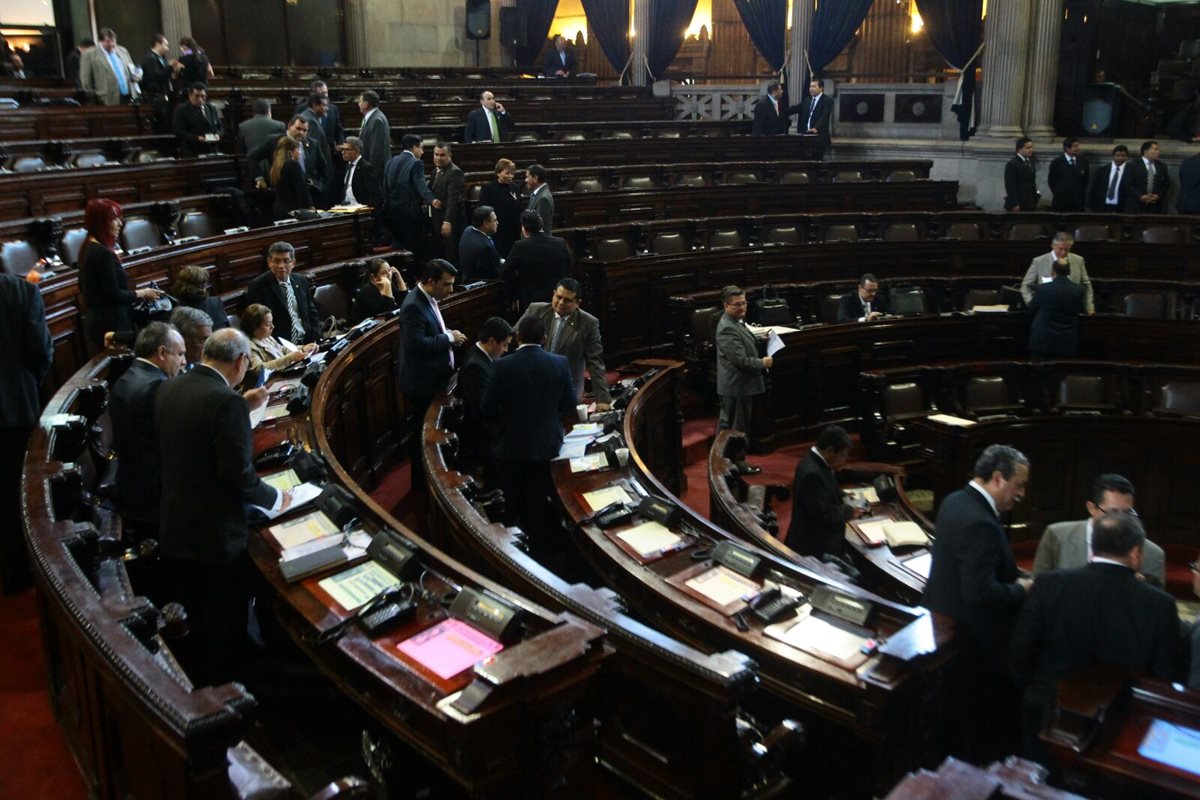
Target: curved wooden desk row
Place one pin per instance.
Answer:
(66, 122)
(65, 152)
(237, 73)
(391, 90)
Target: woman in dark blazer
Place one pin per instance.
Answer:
(191, 289)
(379, 294)
(287, 179)
(107, 298)
(196, 66)
(504, 196)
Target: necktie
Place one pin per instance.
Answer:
(1149, 177)
(1071, 162)
(346, 193)
(302, 169)
(531, 197)
(559, 324)
(1111, 197)
(119, 70)
(293, 311)
(491, 115)
(437, 313)
(812, 109)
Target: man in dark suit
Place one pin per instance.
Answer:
(771, 118)
(360, 184)
(405, 191)
(260, 127)
(1148, 183)
(208, 478)
(741, 371)
(1020, 179)
(529, 394)
(1098, 614)
(1068, 178)
(158, 70)
(426, 352)
(478, 257)
(322, 176)
(819, 113)
(478, 437)
(26, 353)
(160, 355)
(536, 263)
(375, 132)
(973, 580)
(560, 62)
(1110, 184)
(865, 303)
(819, 510)
(447, 222)
(287, 295)
(312, 163)
(1188, 201)
(540, 199)
(1055, 311)
(490, 122)
(197, 123)
(331, 120)
(574, 333)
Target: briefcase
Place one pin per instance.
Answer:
(773, 309)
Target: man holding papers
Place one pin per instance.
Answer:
(819, 511)
(740, 369)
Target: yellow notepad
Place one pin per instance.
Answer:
(722, 585)
(302, 529)
(283, 481)
(354, 587)
(649, 538)
(607, 496)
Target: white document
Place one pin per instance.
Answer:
(572, 449)
(649, 538)
(301, 494)
(607, 496)
(589, 462)
(722, 585)
(949, 419)
(302, 530)
(774, 343)
(813, 634)
(357, 586)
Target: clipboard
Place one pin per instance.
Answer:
(690, 581)
(614, 535)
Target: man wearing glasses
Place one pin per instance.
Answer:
(740, 369)
(1067, 545)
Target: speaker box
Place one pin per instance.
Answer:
(512, 26)
(479, 19)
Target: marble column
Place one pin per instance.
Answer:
(176, 22)
(1006, 68)
(797, 65)
(357, 53)
(641, 26)
(1042, 86)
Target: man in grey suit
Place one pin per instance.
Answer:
(375, 132)
(740, 369)
(1066, 545)
(574, 333)
(1041, 269)
(108, 71)
(256, 130)
(540, 199)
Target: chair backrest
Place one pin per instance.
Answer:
(900, 232)
(17, 257)
(331, 301)
(621, 135)
(92, 158)
(1081, 391)
(140, 232)
(613, 249)
(1094, 232)
(739, 178)
(903, 399)
(1162, 234)
(1148, 305)
(783, 234)
(588, 185)
(637, 182)
(847, 176)
(1026, 231)
(841, 233)
(725, 237)
(70, 243)
(980, 297)
(667, 133)
(901, 176)
(704, 323)
(963, 231)
(198, 223)
(571, 136)
(527, 136)
(27, 164)
(690, 179)
(1181, 397)
(908, 300)
(665, 244)
(795, 176)
(986, 393)
(474, 192)
(828, 311)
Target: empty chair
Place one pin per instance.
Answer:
(740, 178)
(621, 135)
(637, 182)
(1162, 234)
(140, 232)
(783, 234)
(93, 158)
(841, 233)
(847, 176)
(27, 164)
(1149, 305)
(588, 185)
(1094, 232)
(613, 249)
(70, 243)
(690, 179)
(474, 192)
(987, 395)
(903, 401)
(900, 232)
(980, 297)
(1082, 393)
(1179, 397)
(146, 157)
(198, 223)
(727, 237)
(828, 311)
(17, 257)
(571, 136)
(1026, 232)
(527, 136)
(908, 300)
(667, 133)
(665, 244)
(795, 176)
(331, 301)
(963, 232)
(901, 176)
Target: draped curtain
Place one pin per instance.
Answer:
(766, 21)
(608, 21)
(539, 14)
(955, 30)
(668, 23)
(834, 25)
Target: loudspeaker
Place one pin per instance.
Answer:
(479, 19)
(512, 26)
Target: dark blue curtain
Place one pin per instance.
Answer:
(766, 20)
(834, 25)
(954, 28)
(608, 21)
(668, 23)
(538, 16)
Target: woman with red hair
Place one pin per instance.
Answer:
(107, 297)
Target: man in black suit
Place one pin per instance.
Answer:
(819, 510)
(819, 113)
(260, 127)
(536, 263)
(160, 355)
(426, 352)
(208, 478)
(447, 222)
(375, 132)
(1098, 614)
(1188, 201)
(540, 198)
(320, 175)
(313, 163)
(1068, 178)
(529, 394)
(490, 122)
(1055, 311)
(560, 62)
(865, 303)
(1110, 184)
(1020, 179)
(360, 184)
(158, 70)
(26, 353)
(478, 257)
(197, 123)
(495, 335)
(331, 120)
(771, 118)
(1148, 183)
(575, 334)
(287, 295)
(973, 580)
(405, 191)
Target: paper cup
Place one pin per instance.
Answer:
(622, 455)
(581, 410)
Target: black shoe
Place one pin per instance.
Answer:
(748, 469)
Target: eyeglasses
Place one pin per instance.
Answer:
(1130, 511)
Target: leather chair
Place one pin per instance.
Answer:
(828, 311)
(572, 136)
(637, 182)
(963, 232)
(27, 164)
(841, 233)
(140, 232)
(782, 234)
(586, 185)
(903, 401)
(901, 176)
(987, 396)
(1149, 305)
(667, 133)
(527, 136)
(908, 301)
(900, 232)
(614, 249)
(666, 244)
(848, 176)
(725, 238)
(69, 245)
(621, 135)
(92, 158)
(980, 297)
(795, 176)
(1179, 398)
(198, 223)
(739, 178)
(1162, 234)
(690, 179)
(1082, 394)
(1026, 232)
(474, 192)
(331, 301)
(700, 341)
(17, 257)
(1094, 232)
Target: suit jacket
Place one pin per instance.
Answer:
(1098, 614)
(739, 366)
(156, 77)
(478, 129)
(448, 186)
(819, 514)
(1064, 546)
(370, 302)
(580, 342)
(554, 62)
(973, 575)
(1041, 269)
(107, 298)
(330, 124)
(769, 122)
(131, 408)
(425, 348)
(256, 130)
(820, 118)
(534, 267)
(364, 182)
(319, 173)
(478, 258)
(1188, 201)
(205, 448)
(851, 309)
(315, 168)
(529, 394)
(542, 201)
(26, 352)
(376, 137)
(1056, 306)
(1139, 181)
(1020, 185)
(1098, 190)
(473, 379)
(404, 184)
(96, 74)
(192, 121)
(1068, 183)
(265, 289)
(506, 200)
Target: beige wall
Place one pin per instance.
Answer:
(426, 33)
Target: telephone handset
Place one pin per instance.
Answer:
(612, 515)
(772, 605)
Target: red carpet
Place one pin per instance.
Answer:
(34, 761)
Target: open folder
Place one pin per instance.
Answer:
(893, 533)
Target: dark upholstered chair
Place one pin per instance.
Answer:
(900, 232)
(783, 234)
(901, 176)
(331, 301)
(27, 164)
(637, 182)
(198, 223)
(691, 179)
(987, 395)
(1180, 398)
(1026, 232)
(847, 176)
(70, 243)
(140, 232)
(841, 233)
(963, 232)
(795, 176)
(17, 257)
(908, 300)
(725, 238)
(903, 401)
(613, 249)
(980, 297)
(92, 158)
(1163, 234)
(828, 310)
(666, 244)
(1094, 232)
(739, 178)
(588, 185)
(1149, 305)
(1082, 393)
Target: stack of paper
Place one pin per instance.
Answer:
(607, 496)
(301, 494)
(650, 538)
(590, 462)
(449, 647)
(896, 533)
(357, 586)
(722, 585)
(303, 529)
(949, 419)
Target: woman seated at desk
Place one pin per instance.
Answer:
(379, 294)
(267, 351)
(287, 179)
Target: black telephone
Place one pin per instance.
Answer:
(275, 457)
(612, 515)
(773, 605)
(389, 609)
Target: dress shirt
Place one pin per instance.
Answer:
(349, 198)
(437, 312)
(293, 307)
(367, 116)
(278, 504)
(118, 69)
(988, 497)
(1115, 173)
(1102, 559)
(485, 352)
